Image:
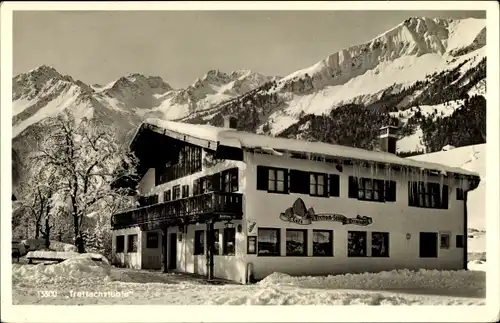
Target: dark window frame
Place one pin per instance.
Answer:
(278, 242)
(131, 246)
(442, 235)
(368, 192)
(185, 191)
(428, 195)
(459, 241)
(230, 180)
(216, 242)
(328, 253)
(386, 237)
(314, 184)
(199, 243)
(176, 192)
(120, 246)
(167, 195)
(305, 244)
(264, 179)
(427, 252)
(365, 236)
(226, 250)
(152, 243)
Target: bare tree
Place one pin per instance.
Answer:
(85, 157)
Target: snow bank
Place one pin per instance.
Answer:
(37, 244)
(78, 267)
(386, 280)
(477, 265)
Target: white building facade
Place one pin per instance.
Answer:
(322, 210)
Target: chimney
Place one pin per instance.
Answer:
(230, 122)
(387, 138)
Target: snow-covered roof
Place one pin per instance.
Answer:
(243, 139)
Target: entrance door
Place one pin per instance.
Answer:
(428, 245)
(172, 256)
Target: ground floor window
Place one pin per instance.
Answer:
(199, 242)
(268, 242)
(444, 239)
(459, 241)
(428, 245)
(356, 244)
(322, 243)
(380, 244)
(229, 241)
(296, 242)
(120, 243)
(216, 242)
(132, 243)
(152, 240)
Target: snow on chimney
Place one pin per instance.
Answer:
(388, 138)
(230, 122)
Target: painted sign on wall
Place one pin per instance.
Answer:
(251, 227)
(300, 215)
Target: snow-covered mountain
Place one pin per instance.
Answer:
(44, 92)
(421, 68)
(430, 63)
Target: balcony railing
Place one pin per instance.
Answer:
(187, 209)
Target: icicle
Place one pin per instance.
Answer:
(371, 170)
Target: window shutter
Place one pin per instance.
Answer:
(299, 182)
(334, 185)
(286, 183)
(262, 178)
(196, 186)
(216, 187)
(353, 187)
(444, 197)
(390, 191)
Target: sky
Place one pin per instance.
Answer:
(180, 46)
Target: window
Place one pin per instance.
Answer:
(380, 244)
(459, 241)
(132, 243)
(334, 185)
(356, 244)
(317, 185)
(444, 240)
(323, 243)
(167, 195)
(152, 240)
(176, 192)
(371, 190)
(199, 242)
(229, 241)
(120, 243)
(185, 191)
(216, 242)
(230, 178)
(375, 190)
(427, 195)
(274, 180)
(268, 242)
(296, 242)
(428, 245)
(251, 245)
(460, 194)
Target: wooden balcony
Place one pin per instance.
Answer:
(192, 209)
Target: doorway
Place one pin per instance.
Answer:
(428, 245)
(172, 255)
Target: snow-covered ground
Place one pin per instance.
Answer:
(80, 280)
